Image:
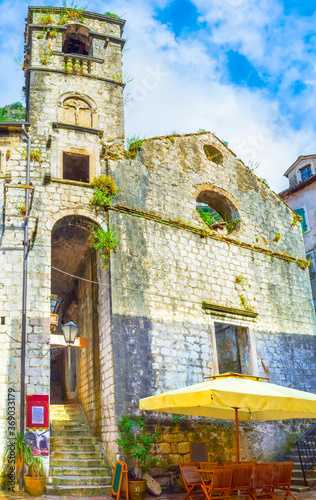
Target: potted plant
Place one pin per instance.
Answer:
(137, 448)
(35, 480)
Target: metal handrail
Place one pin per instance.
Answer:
(306, 447)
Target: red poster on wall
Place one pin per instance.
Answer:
(37, 412)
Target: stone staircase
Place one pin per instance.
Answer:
(77, 463)
(297, 484)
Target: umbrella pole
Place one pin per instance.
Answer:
(237, 435)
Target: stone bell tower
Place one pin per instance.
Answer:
(74, 88)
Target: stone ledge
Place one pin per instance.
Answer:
(231, 310)
(81, 75)
(205, 233)
(78, 128)
(48, 179)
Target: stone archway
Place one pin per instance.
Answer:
(75, 372)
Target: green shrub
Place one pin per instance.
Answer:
(137, 445)
(105, 190)
(105, 241)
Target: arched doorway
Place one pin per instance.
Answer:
(75, 372)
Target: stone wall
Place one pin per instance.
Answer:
(88, 360)
(166, 266)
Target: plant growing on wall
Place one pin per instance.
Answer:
(137, 446)
(134, 144)
(105, 241)
(46, 18)
(277, 237)
(46, 57)
(110, 14)
(105, 190)
(230, 226)
(296, 219)
(20, 208)
(122, 78)
(72, 12)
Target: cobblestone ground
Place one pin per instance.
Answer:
(24, 496)
(310, 495)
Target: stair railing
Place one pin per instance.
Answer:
(306, 447)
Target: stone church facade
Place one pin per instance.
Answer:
(180, 300)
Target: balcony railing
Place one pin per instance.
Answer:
(75, 64)
(306, 447)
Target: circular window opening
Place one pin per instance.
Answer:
(217, 211)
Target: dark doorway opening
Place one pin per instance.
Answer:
(76, 167)
(233, 348)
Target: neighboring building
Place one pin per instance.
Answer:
(301, 196)
(180, 299)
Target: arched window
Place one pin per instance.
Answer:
(77, 40)
(217, 210)
(76, 111)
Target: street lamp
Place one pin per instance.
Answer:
(70, 331)
(53, 303)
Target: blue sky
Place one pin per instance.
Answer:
(242, 69)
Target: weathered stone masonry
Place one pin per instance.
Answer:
(162, 273)
(146, 325)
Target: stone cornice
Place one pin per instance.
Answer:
(85, 13)
(81, 75)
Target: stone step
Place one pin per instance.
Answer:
(300, 489)
(65, 409)
(88, 462)
(69, 425)
(65, 414)
(79, 471)
(80, 491)
(75, 447)
(95, 455)
(69, 433)
(56, 440)
(297, 481)
(80, 480)
(298, 473)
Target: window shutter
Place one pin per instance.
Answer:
(301, 213)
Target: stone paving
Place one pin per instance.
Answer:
(309, 495)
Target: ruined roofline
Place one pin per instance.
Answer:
(87, 14)
(302, 157)
(206, 132)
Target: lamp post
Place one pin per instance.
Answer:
(53, 303)
(70, 331)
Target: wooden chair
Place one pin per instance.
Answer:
(192, 481)
(220, 484)
(263, 481)
(242, 479)
(282, 479)
(208, 466)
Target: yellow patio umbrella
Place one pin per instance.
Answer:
(234, 396)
